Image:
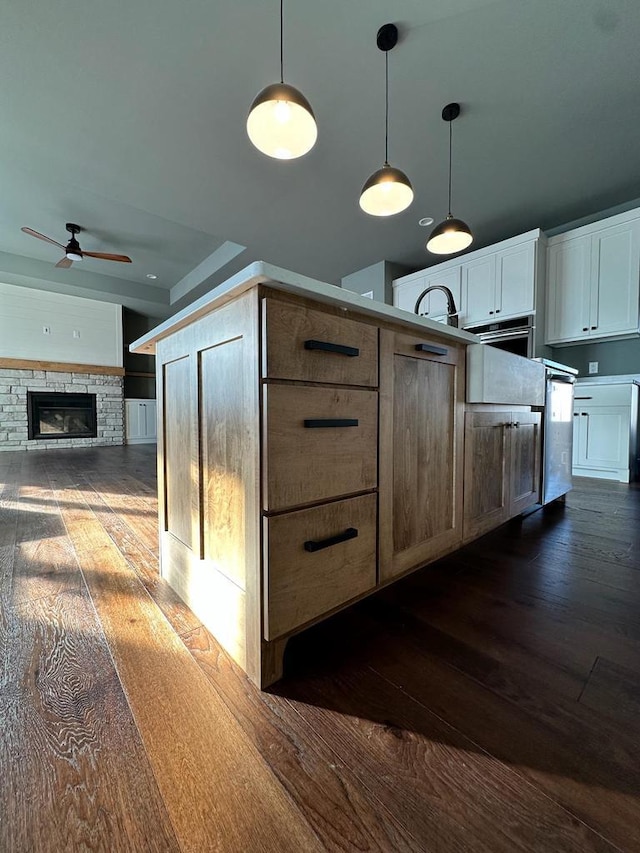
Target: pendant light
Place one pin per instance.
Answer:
(281, 122)
(452, 235)
(388, 191)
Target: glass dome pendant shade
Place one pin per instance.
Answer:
(388, 190)
(281, 122)
(453, 235)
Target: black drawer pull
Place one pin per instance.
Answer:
(327, 347)
(321, 423)
(311, 545)
(432, 348)
(583, 398)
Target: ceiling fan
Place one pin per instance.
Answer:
(72, 251)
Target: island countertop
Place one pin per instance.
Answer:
(260, 272)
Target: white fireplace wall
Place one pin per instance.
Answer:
(14, 385)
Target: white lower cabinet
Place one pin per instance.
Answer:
(140, 421)
(605, 431)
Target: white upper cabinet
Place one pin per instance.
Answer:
(479, 288)
(593, 286)
(501, 285)
(434, 304)
(515, 280)
(498, 282)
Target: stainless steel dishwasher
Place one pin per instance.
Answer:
(557, 430)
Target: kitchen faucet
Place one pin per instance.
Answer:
(452, 311)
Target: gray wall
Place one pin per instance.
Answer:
(378, 278)
(613, 357)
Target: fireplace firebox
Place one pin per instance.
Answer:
(58, 415)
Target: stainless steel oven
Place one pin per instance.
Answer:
(514, 336)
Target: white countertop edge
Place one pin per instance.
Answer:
(622, 379)
(260, 272)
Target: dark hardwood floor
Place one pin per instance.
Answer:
(490, 702)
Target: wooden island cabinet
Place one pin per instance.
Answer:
(310, 450)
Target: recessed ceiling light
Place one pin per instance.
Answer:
(154, 277)
(426, 220)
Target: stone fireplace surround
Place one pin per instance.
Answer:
(15, 382)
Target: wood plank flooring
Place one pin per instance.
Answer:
(490, 702)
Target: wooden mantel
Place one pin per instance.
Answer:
(59, 366)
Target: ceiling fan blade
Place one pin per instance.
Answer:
(105, 256)
(40, 236)
(64, 262)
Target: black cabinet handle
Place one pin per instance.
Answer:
(497, 310)
(585, 414)
(325, 346)
(593, 328)
(585, 328)
(318, 545)
(490, 312)
(320, 423)
(583, 398)
(431, 348)
(576, 414)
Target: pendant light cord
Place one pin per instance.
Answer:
(386, 108)
(450, 135)
(281, 43)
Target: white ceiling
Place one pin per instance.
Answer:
(129, 118)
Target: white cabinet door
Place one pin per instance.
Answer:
(569, 290)
(405, 295)
(134, 420)
(151, 429)
(434, 304)
(615, 265)
(140, 421)
(515, 281)
(479, 290)
(604, 437)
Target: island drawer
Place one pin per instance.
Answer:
(314, 346)
(316, 560)
(319, 443)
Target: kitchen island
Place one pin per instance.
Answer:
(311, 449)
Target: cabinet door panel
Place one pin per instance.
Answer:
(615, 267)
(421, 435)
(151, 415)
(515, 281)
(133, 420)
(524, 482)
(485, 481)
(434, 304)
(569, 290)
(478, 288)
(436, 301)
(605, 442)
(405, 295)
